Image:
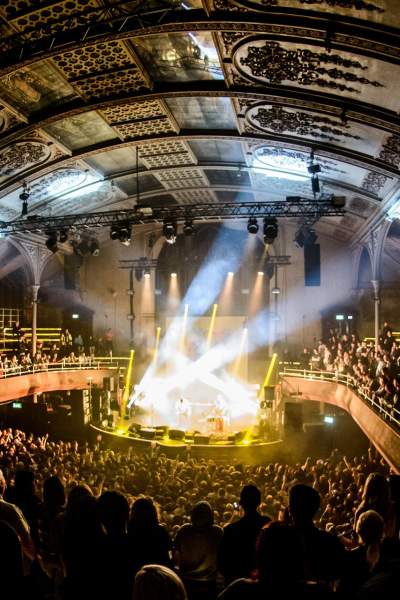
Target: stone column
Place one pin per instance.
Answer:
(377, 302)
(35, 290)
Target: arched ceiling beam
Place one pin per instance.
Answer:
(305, 100)
(329, 30)
(339, 153)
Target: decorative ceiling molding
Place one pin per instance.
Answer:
(353, 35)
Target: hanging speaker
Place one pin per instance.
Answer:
(312, 265)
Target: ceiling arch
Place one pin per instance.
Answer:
(224, 99)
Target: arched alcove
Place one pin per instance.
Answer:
(211, 253)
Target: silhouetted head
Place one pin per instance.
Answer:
(155, 582)
(304, 501)
(202, 515)
(250, 498)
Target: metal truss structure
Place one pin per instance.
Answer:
(293, 206)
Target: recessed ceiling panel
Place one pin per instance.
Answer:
(147, 183)
(218, 151)
(34, 88)
(203, 113)
(235, 177)
(80, 131)
(114, 161)
(180, 56)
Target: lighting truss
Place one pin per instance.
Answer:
(294, 207)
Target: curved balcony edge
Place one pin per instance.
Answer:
(384, 437)
(13, 388)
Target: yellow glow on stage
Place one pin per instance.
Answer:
(184, 327)
(157, 345)
(225, 299)
(212, 324)
(127, 387)
(256, 298)
(268, 374)
(242, 351)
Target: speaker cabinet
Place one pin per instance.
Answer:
(148, 433)
(293, 417)
(204, 440)
(176, 434)
(269, 394)
(312, 265)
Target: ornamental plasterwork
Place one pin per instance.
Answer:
(356, 5)
(374, 182)
(275, 64)
(292, 160)
(279, 120)
(390, 152)
(21, 156)
(7, 120)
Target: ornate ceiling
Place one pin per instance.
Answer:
(219, 100)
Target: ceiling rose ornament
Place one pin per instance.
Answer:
(279, 120)
(271, 62)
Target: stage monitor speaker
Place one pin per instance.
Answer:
(239, 436)
(312, 265)
(293, 417)
(204, 440)
(176, 434)
(148, 433)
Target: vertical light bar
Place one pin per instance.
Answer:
(127, 387)
(268, 374)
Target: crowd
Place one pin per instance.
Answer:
(87, 521)
(67, 350)
(374, 372)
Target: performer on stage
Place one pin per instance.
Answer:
(183, 412)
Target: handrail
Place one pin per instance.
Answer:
(348, 381)
(91, 364)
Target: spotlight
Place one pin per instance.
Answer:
(63, 236)
(252, 225)
(114, 231)
(270, 230)
(125, 234)
(230, 273)
(173, 275)
(138, 274)
(147, 273)
(93, 247)
(51, 242)
(122, 232)
(275, 290)
(260, 273)
(188, 228)
(24, 210)
(169, 231)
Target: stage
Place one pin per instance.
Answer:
(250, 450)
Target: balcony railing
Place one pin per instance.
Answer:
(64, 365)
(392, 415)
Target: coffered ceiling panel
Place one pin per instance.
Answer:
(180, 57)
(203, 113)
(35, 88)
(81, 130)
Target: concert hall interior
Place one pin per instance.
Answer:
(199, 291)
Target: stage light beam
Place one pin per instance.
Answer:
(212, 325)
(183, 332)
(157, 345)
(239, 357)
